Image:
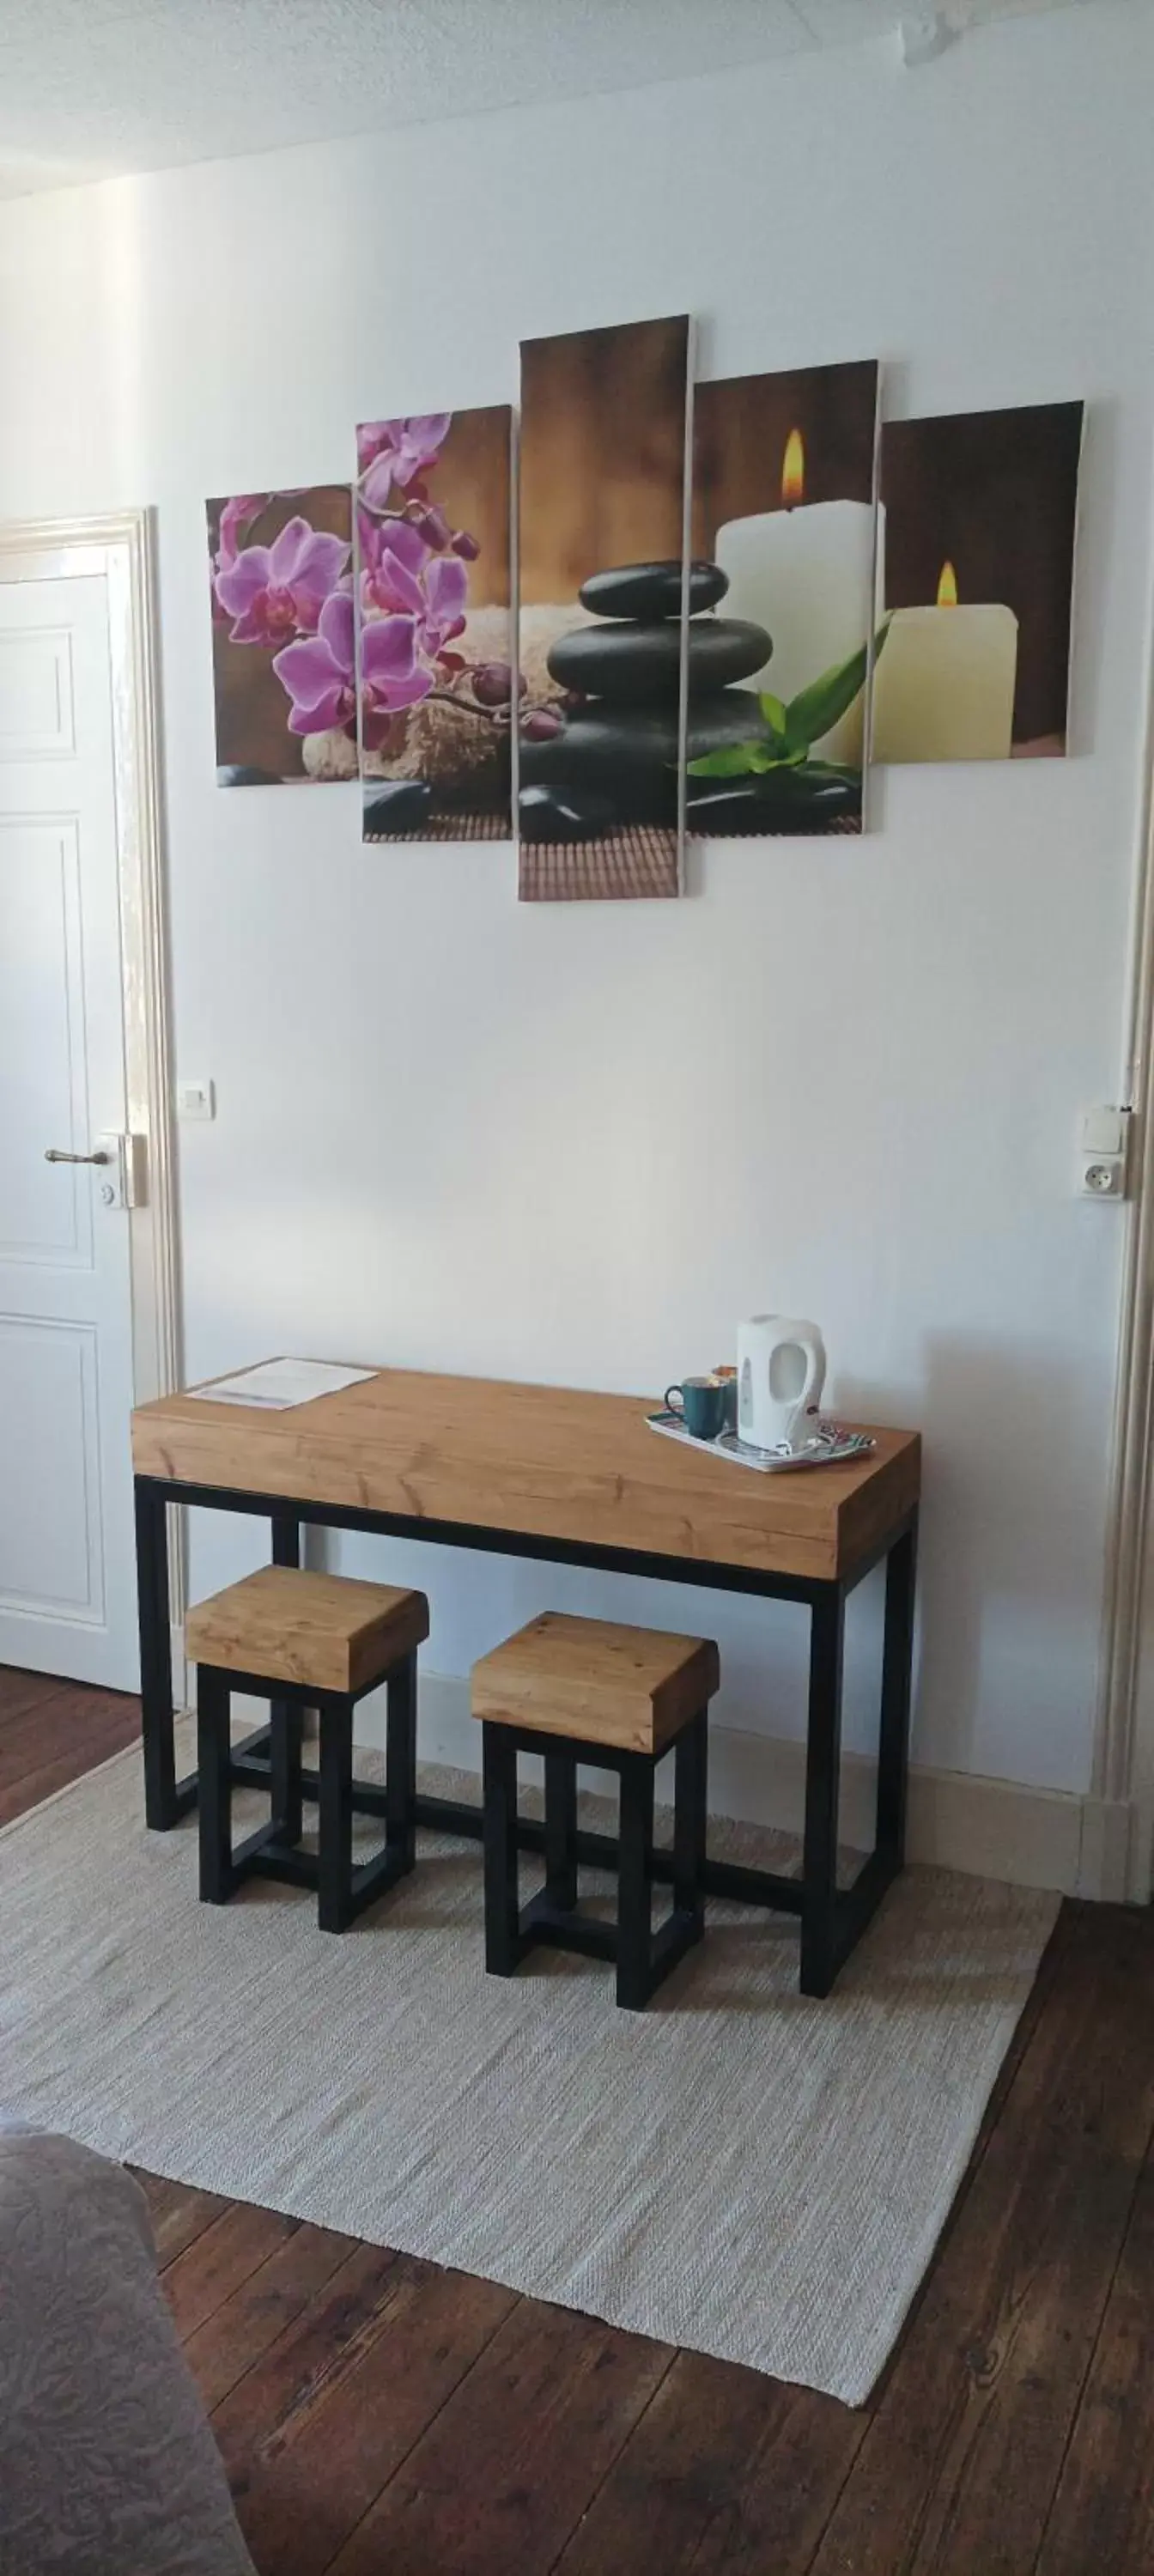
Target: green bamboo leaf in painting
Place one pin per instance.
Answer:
(816, 709)
(773, 709)
(734, 760)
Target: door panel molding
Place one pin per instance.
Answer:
(121, 546)
(66, 1353)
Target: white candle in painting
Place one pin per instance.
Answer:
(944, 681)
(807, 574)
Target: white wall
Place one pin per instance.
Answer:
(841, 1079)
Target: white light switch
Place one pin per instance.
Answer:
(195, 1100)
(1102, 1131)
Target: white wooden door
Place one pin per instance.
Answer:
(66, 1557)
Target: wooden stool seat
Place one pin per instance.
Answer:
(633, 1687)
(321, 1630)
(587, 1691)
(303, 1640)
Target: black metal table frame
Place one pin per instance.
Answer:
(832, 1918)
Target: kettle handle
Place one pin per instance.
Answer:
(814, 1349)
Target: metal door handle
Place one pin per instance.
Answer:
(54, 1155)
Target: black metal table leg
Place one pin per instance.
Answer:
(162, 1806)
(897, 1682)
(823, 1759)
(287, 1718)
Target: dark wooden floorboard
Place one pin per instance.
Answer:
(241, 2330)
(53, 1732)
(505, 2470)
(969, 2433)
(1102, 2516)
(21, 1690)
(313, 2480)
(378, 2414)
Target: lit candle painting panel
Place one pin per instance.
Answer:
(784, 592)
(280, 582)
(434, 626)
(602, 515)
(980, 519)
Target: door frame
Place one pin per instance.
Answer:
(121, 546)
(1121, 1865)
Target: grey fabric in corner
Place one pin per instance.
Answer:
(107, 2463)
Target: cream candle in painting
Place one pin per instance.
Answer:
(944, 686)
(980, 526)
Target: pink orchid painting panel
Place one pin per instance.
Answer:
(280, 583)
(435, 625)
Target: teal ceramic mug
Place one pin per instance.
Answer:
(701, 1404)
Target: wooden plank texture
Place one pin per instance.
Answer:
(312, 2479)
(970, 2430)
(1102, 2516)
(727, 2474)
(206, 2273)
(242, 2329)
(553, 1462)
(502, 2475)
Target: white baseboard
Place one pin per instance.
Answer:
(992, 1828)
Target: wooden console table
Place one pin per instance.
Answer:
(574, 1479)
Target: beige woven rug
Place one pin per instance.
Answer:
(736, 2169)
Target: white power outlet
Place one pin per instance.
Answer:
(1104, 1178)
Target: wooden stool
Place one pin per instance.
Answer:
(583, 1691)
(307, 1641)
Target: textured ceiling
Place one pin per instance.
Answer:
(89, 88)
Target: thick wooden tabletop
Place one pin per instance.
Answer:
(550, 1462)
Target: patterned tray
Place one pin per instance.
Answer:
(829, 1447)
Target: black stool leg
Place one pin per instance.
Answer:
(635, 1883)
(561, 1831)
(285, 1752)
(502, 1902)
(401, 1762)
(213, 1748)
(690, 1808)
(335, 1872)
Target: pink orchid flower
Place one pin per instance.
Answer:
(234, 516)
(319, 673)
(404, 579)
(445, 587)
(397, 451)
(276, 591)
(394, 555)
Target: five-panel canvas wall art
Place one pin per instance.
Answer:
(732, 598)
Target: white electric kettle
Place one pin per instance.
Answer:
(780, 1376)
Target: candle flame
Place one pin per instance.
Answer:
(793, 469)
(948, 587)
